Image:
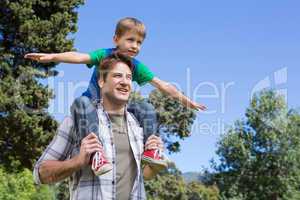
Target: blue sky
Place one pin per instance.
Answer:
(217, 52)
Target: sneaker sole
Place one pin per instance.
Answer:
(151, 161)
(104, 169)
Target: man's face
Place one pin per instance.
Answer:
(130, 43)
(117, 86)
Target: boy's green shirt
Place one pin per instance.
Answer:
(141, 73)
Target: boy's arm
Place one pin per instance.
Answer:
(66, 57)
(172, 91)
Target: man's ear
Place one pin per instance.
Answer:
(100, 82)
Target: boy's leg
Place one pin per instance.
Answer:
(93, 91)
(99, 164)
(145, 113)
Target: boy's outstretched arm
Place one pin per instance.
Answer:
(172, 91)
(66, 57)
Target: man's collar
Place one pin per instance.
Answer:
(99, 105)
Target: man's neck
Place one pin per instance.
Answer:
(114, 109)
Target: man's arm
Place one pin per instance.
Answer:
(172, 91)
(51, 171)
(149, 172)
(66, 57)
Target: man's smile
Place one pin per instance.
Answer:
(123, 90)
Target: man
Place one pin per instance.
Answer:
(121, 138)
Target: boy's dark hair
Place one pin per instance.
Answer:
(130, 24)
(109, 62)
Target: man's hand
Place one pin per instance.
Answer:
(41, 57)
(154, 142)
(89, 145)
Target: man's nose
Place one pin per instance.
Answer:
(125, 80)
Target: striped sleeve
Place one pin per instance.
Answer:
(59, 148)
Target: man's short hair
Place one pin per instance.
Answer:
(109, 62)
(130, 24)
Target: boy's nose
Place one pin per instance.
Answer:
(135, 45)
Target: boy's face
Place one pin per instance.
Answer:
(130, 42)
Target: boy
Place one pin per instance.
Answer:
(129, 36)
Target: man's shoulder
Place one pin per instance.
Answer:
(132, 119)
(83, 103)
(82, 100)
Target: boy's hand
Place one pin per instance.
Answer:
(40, 57)
(197, 106)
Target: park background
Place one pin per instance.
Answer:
(218, 53)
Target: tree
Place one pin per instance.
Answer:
(166, 186)
(174, 122)
(198, 191)
(259, 157)
(170, 184)
(29, 26)
(174, 119)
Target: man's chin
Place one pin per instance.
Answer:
(117, 99)
(122, 98)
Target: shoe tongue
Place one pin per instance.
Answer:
(157, 153)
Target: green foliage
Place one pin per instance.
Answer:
(260, 155)
(166, 186)
(192, 176)
(171, 185)
(175, 120)
(197, 191)
(29, 26)
(20, 186)
(61, 190)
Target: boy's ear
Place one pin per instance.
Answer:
(115, 40)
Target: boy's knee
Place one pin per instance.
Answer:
(82, 105)
(146, 107)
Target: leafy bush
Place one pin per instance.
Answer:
(20, 186)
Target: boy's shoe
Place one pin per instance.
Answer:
(99, 164)
(154, 158)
